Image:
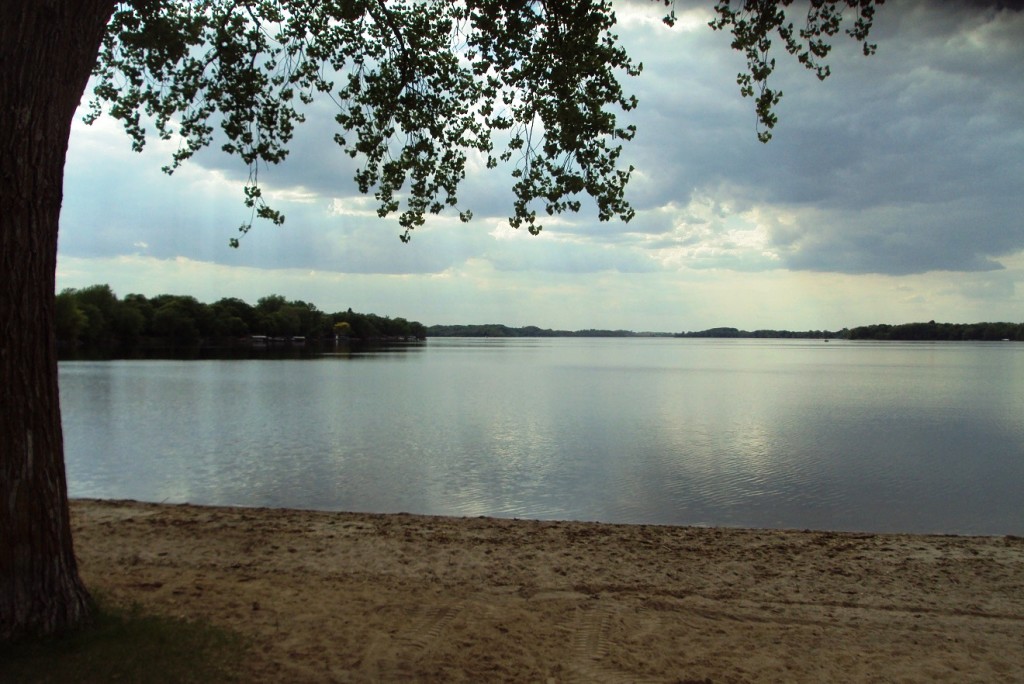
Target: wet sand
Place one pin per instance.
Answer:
(343, 597)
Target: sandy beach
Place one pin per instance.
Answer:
(342, 597)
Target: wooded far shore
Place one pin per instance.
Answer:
(94, 320)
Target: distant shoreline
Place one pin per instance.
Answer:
(931, 331)
(93, 321)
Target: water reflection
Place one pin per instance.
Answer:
(777, 434)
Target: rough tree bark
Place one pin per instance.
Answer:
(47, 51)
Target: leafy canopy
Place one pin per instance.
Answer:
(752, 26)
(422, 87)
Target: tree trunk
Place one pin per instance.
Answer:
(47, 51)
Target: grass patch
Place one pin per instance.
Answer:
(126, 645)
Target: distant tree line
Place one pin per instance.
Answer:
(766, 334)
(881, 331)
(498, 330)
(93, 318)
(96, 320)
(940, 331)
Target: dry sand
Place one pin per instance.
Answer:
(339, 597)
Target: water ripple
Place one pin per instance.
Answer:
(853, 437)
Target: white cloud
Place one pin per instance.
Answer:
(890, 192)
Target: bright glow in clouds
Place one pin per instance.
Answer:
(891, 193)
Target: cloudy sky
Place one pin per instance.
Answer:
(890, 193)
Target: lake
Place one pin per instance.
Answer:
(858, 436)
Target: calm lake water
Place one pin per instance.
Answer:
(786, 434)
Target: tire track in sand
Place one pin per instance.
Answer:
(590, 646)
(393, 657)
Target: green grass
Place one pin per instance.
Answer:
(127, 645)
